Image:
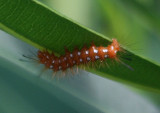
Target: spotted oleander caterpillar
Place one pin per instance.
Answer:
(78, 57)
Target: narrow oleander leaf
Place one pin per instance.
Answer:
(44, 28)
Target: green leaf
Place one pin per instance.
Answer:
(44, 28)
(40, 26)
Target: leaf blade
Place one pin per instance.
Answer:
(44, 28)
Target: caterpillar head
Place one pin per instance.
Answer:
(115, 44)
(113, 48)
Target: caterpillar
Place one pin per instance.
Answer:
(78, 57)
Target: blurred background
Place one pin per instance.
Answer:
(135, 23)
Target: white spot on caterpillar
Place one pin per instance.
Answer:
(105, 50)
(59, 61)
(115, 51)
(87, 52)
(60, 67)
(47, 57)
(80, 60)
(65, 58)
(71, 55)
(88, 58)
(95, 50)
(96, 57)
(79, 53)
(53, 62)
(51, 67)
(112, 47)
(105, 56)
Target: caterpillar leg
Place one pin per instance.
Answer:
(77, 69)
(71, 69)
(54, 74)
(63, 73)
(107, 65)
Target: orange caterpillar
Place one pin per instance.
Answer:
(78, 57)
